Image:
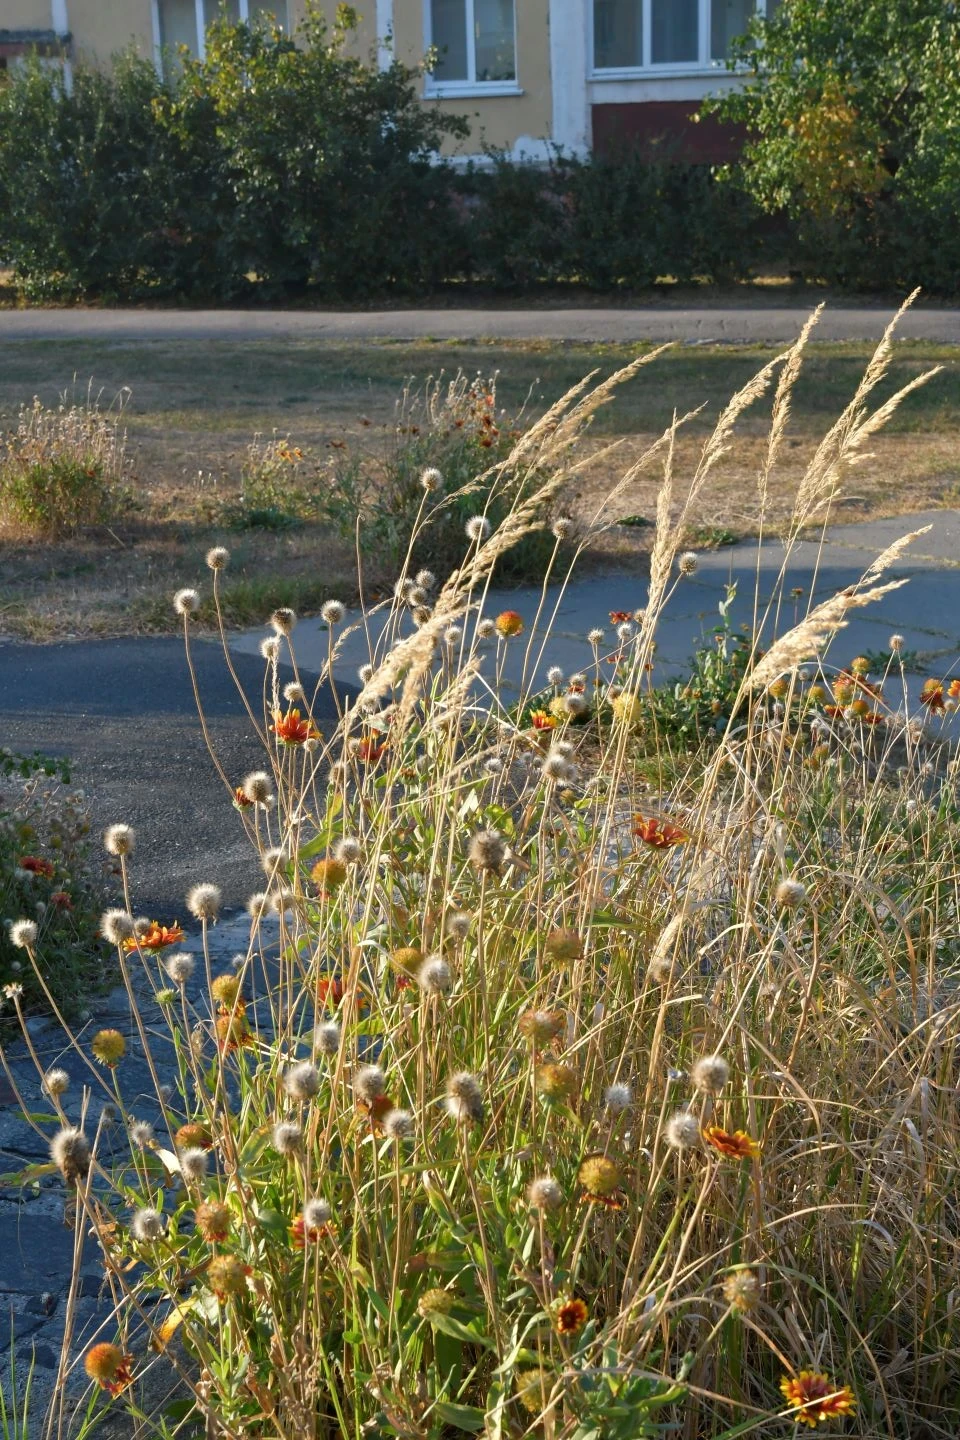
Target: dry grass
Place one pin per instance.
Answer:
(196, 405)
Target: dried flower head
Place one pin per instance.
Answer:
(435, 1302)
(287, 1138)
(561, 526)
(599, 1176)
(109, 1047)
(333, 612)
(595, 637)
(329, 874)
(464, 1100)
(563, 946)
(23, 934)
(227, 1276)
(398, 1125)
(545, 1194)
(457, 924)
(431, 479)
(147, 1224)
(193, 1163)
(534, 1388)
(555, 767)
(478, 528)
(119, 839)
(193, 1132)
(541, 1027)
(217, 557)
(575, 704)
(186, 602)
(141, 1134)
(348, 851)
(56, 1082)
(556, 1082)
(109, 1367)
(317, 1215)
(70, 1152)
(741, 1290)
(425, 579)
(687, 563)
(790, 894)
(434, 976)
(270, 649)
(302, 1081)
(369, 1083)
(486, 629)
(618, 1097)
(896, 643)
(488, 851)
(258, 788)
(283, 620)
(204, 901)
(327, 1037)
(213, 1220)
(710, 1074)
(117, 926)
(179, 967)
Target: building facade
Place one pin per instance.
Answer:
(531, 75)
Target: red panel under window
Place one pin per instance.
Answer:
(665, 128)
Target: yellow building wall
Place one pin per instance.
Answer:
(501, 120)
(102, 27)
(25, 15)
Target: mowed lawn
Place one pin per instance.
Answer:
(194, 406)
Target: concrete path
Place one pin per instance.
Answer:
(702, 325)
(926, 611)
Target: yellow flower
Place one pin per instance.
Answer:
(816, 1398)
(109, 1047)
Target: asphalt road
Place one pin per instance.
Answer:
(699, 325)
(123, 711)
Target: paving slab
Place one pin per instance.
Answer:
(926, 611)
(705, 324)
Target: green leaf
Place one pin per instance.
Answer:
(462, 1417)
(456, 1329)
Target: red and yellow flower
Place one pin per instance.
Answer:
(569, 1316)
(36, 865)
(155, 937)
(733, 1144)
(509, 623)
(541, 720)
(659, 834)
(292, 728)
(931, 695)
(370, 749)
(814, 1397)
(109, 1366)
(241, 800)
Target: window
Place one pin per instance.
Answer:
(474, 40)
(680, 34)
(184, 22)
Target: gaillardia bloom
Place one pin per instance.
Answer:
(540, 720)
(569, 1316)
(108, 1365)
(816, 1398)
(735, 1144)
(658, 834)
(509, 623)
(109, 1047)
(931, 695)
(226, 1276)
(328, 875)
(292, 728)
(36, 865)
(155, 937)
(600, 1178)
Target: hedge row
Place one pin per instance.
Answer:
(273, 170)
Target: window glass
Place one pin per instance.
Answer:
(673, 31)
(617, 33)
(215, 9)
(178, 24)
(728, 18)
(274, 10)
(493, 24)
(448, 36)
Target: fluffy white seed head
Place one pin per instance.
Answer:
(478, 528)
(179, 967)
(186, 602)
(141, 1134)
(398, 1125)
(204, 901)
(217, 557)
(348, 850)
(365, 674)
(333, 612)
(464, 1101)
(555, 675)
(258, 788)
(147, 1224)
(431, 479)
(287, 1137)
(426, 579)
(595, 637)
(302, 1081)
(488, 851)
(23, 934)
(283, 620)
(434, 976)
(56, 1082)
(327, 1037)
(555, 766)
(369, 1083)
(545, 1194)
(896, 643)
(575, 705)
(270, 649)
(710, 1074)
(688, 562)
(790, 894)
(258, 905)
(316, 1214)
(683, 1130)
(193, 1164)
(293, 693)
(116, 926)
(618, 1097)
(70, 1152)
(486, 629)
(561, 527)
(119, 839)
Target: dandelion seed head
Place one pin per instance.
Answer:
(431, 479)
(204, 901)
(147, 1224)
(293, 693)
(119, 839)
(217, 557)
(398, 1125)
(710, 1074)
(545, 1194)
(186, 602)
(56, 1082)
(327, 1037)
(302, 1081)
(283, 620)
(618, 1097)
(70, 1152)
(434, 976)
(790, 894)
(369, 1083)
(23, 934)
(333, 612)
(193, 1163)
(477, 528)
(688, 562)
(683, 1130)
(287, 1138)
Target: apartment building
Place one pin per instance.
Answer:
(530, 74)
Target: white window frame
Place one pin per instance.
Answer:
(465, 89)
(201, 26)
(703, 65)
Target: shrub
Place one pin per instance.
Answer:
(62, 469)
(548, 1096)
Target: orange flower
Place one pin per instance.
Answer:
(108, 1365)
(329, 989)
(570, 1316)
(540, 720)
(376, 1109)
(241, 801)
(370, 749)
(509, 623)
(36, 865)
(620, 617)
(931, 694)
(233, 1030)
(659, 834)
(954, 689)
(292, 729)
(814, 1397)
(61, 899)
(155, 937)
(735, 1145)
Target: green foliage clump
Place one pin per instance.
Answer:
(62, 468)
